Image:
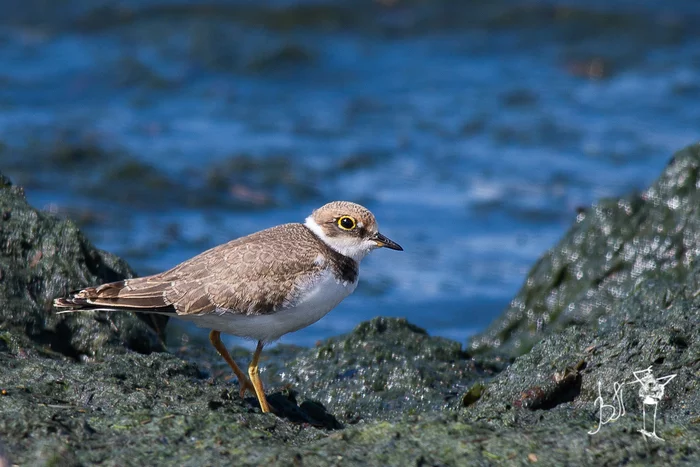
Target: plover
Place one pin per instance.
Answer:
(260, 287)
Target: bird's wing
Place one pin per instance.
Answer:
(251, 275)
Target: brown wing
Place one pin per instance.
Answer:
(249, 275)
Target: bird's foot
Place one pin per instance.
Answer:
(246, 385)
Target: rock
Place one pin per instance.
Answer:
(613, 248)
(620, 294)
(554, 388)
(385, 368)
(42, 257)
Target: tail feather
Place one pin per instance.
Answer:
(141, 295)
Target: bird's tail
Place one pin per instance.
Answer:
(74, 303)
(107, 298)
(143, 295)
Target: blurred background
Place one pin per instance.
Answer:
(472, 129)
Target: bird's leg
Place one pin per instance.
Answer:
(255, 378)
(243, 381)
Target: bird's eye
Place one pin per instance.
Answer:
(347, 223)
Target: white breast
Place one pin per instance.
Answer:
(322, 295)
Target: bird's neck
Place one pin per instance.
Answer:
(345, 248)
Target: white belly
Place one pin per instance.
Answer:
(322, 296)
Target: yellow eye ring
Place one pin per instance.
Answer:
(346, 223)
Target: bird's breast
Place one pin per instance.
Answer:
(315, 296)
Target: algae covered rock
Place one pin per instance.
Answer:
(613, 248)
(383, 369)
(164, 409)
(584, 387)
(617, 301)
(42, 257)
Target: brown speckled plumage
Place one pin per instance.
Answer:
(250, 275)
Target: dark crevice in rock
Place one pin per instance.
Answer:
(565, 387)
(565, 391)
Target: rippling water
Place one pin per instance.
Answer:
(472, 131)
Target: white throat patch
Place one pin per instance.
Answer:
(352, 247)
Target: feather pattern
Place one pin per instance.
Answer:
(261, 286)
(254, 275)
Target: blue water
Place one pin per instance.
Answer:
(472, 132)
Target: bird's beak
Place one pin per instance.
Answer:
(383, 242)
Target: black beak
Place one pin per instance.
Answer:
(384, 242)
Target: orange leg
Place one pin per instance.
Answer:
(255, 378)
(243, 381)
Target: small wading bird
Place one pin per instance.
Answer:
(260, 287)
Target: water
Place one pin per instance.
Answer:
(472, 132)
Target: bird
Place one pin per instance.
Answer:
(260, 286)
